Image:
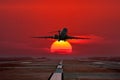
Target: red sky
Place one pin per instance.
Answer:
(20, 20)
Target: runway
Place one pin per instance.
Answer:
(57, 75)
(55, 69)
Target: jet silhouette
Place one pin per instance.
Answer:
(62, 35)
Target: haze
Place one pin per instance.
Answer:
(20, 20)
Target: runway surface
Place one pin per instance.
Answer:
(57, 75)
(72, 69)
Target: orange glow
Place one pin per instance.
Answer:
(61, 47)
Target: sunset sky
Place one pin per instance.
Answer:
(22, 19)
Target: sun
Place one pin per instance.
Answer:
(62, 47)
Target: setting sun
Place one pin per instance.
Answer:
(61, 47)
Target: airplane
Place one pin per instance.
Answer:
(62, 35)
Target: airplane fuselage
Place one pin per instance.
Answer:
(63, 34)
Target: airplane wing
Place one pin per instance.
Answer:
(52, 37)
(74, 37)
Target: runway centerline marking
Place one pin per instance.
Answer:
(57, 75)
